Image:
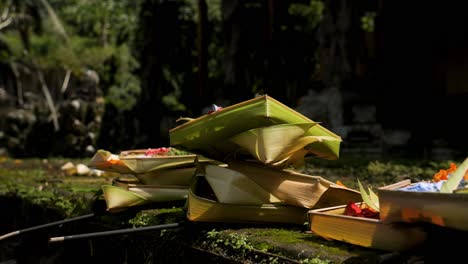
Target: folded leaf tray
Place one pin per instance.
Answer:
(330, 223)
(250, 192)
(127, 192)
(135, 162)
(201, 209)
(442, 209)
(209, 134)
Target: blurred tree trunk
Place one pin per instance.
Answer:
(254, 59)
(231, 31)
(273, 76)
(333, 56)
(156, 20)
(243, 46)
(202, 54)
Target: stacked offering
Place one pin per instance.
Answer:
(395, 217)
(260, 142)
(145, 176)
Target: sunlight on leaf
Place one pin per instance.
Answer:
(367, 199)
(373, 196)
(454, 180)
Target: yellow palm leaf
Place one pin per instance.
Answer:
(118, 198)
(171, 176)
(269, 144)
(232, 187)
(294, 188)
(147, 164)
(203, 209)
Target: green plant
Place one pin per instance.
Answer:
(315, 260)
(368, 21)
(312, 13)
(235, 241)
(273, 260)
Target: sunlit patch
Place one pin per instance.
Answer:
(214, 108)
(340, 183)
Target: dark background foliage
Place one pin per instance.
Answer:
(75, 76)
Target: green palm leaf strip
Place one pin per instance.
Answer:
(462, 190)
(455, 178)
(370, 199)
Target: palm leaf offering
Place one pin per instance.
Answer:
(106, 161)
(437, 202)
(204, 206)
(210, 135)
(333, 223)
(232, 187)
(141, 160)
(118, 198)
(173, 173)
(258, 139)
(242, 171)
(167, 176)
(442, 209)
(295, 188)
(159, 175)
(150, 166)
(127, 192)
(253, 186)
(359, 223)
(278, 145)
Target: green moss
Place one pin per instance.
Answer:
(158, 216)
(84, 189)
(31, 181)
(281, 235)
(276, 245)
(262, 246)
(295, 243)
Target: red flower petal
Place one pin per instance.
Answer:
(352, 209)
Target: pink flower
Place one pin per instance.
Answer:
(157, 151)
